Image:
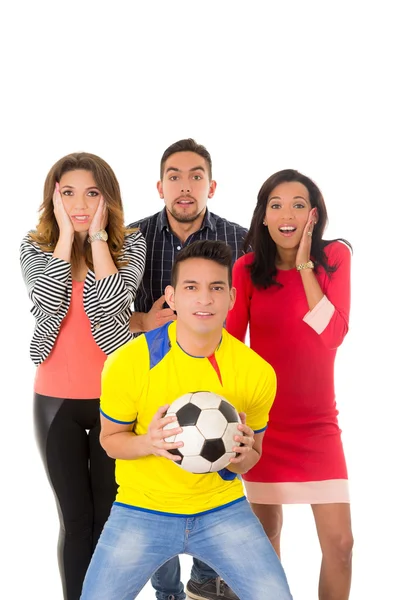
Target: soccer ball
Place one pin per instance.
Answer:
(209, 425)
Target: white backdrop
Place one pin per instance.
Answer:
(264, 86)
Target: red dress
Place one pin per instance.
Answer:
(302, 459)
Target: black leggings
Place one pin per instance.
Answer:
(81, 476)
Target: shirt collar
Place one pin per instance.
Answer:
(162, 221)
(208, 222)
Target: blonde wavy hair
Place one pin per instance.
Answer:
(47, 230)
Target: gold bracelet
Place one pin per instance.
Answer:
(308, 265)
(102, 235)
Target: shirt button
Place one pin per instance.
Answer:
(178, 247)
(97, 326)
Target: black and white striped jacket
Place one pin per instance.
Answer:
(107, 302)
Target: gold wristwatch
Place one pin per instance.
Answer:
(102, 235)
(308, 265)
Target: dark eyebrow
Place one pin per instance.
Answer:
(211, 283)
(190, 170)
(294, 198)
(91, 187)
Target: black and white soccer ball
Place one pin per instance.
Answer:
(209, 424)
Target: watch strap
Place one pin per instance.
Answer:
(307, 265)
(99, 235)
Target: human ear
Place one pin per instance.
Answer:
(170, 296)
(212, 189)
(160, 189)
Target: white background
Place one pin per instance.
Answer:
(265, 86)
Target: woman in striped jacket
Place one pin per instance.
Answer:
(82, 268)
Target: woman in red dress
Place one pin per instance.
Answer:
(293, 291)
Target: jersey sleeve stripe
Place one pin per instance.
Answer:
(260, 430)
(116, 420)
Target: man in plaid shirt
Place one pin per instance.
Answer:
(185, 185)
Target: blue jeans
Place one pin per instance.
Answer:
(167, 579)
(134, 544)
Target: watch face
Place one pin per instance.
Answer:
(100, 235)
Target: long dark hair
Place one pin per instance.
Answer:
(263, 268)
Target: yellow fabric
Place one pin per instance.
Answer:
(132, 391)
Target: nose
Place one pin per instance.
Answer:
(80, 201)
(287, 213)
(185, 187)
(205, 297)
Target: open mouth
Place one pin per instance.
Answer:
(287, 230)
(185, 201)
(203, 314)
(80, 218)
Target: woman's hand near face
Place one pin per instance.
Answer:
(303, 254)
(65, 224)
(100, 218)
(63, 248)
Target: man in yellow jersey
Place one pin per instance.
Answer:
(162, 510)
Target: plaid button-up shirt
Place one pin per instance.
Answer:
(163, 245)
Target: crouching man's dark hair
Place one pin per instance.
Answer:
(218, 251)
